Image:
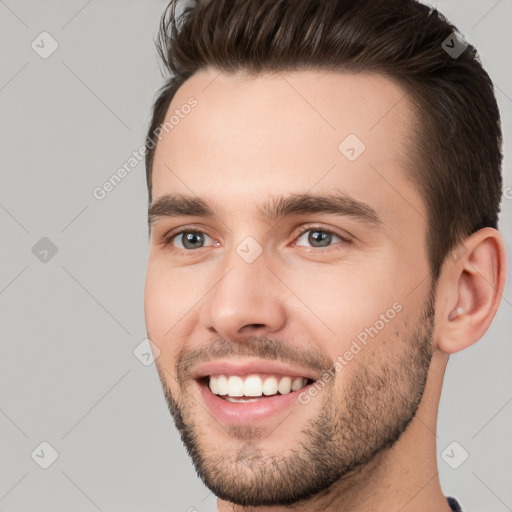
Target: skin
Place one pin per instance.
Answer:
(250, 137)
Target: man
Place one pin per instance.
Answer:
(324, 186)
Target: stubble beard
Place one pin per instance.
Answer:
(351, 427)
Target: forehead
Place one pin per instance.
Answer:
(289, 132)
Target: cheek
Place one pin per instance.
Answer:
(167, 303)
(154, 305)
(161, 313)
(367, 365)
(164, 296)
(340, 303)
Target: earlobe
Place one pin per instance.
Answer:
(475, 283)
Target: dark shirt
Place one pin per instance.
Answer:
(454, 505)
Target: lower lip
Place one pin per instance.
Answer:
(239, 413)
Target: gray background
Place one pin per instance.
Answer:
(69, 325)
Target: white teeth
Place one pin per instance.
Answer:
(241, 400)
(285, 385)
(222, 384)
(235, 386)
(270, 386)
(253, 386)
(297, 383)
(214, 386)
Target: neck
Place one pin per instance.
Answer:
(402, 478)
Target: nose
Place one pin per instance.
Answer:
(247, 300)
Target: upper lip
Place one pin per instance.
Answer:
(245, 367)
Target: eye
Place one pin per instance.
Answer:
(319, 237)
(186, 240)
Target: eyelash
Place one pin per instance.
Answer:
(191, 229)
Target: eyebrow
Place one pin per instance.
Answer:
(179, 205)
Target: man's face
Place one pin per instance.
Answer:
(288, 292)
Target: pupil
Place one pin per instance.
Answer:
(323, 237)
(190, 240)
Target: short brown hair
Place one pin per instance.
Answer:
(458, 133)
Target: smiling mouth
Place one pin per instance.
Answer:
(253, 387)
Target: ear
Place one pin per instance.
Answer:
(472, 281)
